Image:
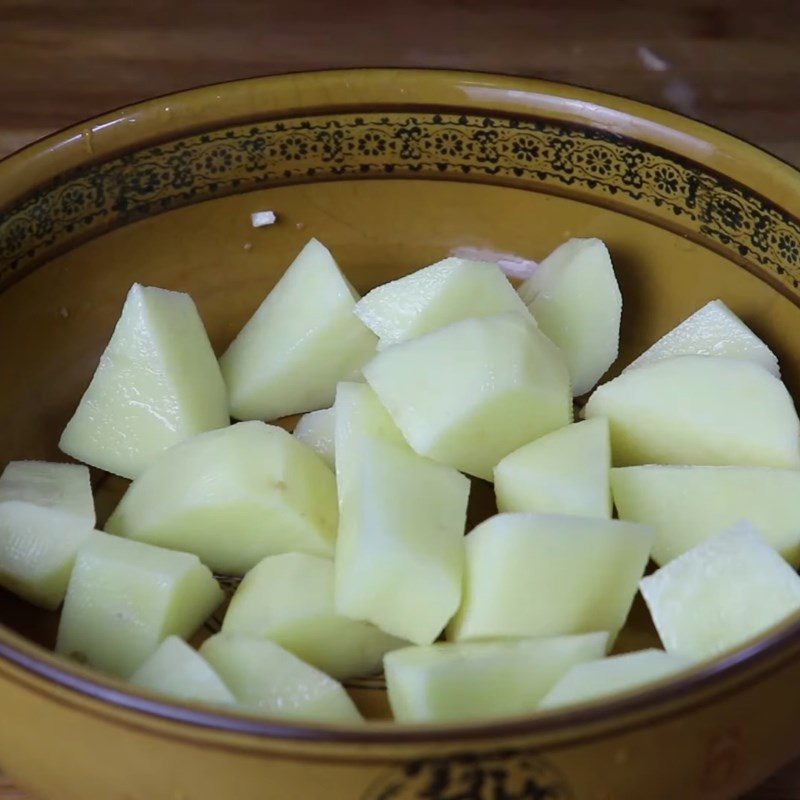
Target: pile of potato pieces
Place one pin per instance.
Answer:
(350, 533)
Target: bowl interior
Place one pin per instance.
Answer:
(57, 314)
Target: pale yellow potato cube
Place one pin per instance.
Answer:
(315, 429)
(46, 513)
(470, 393)
(289, 600)
(271, 681)
(708, 410)
(178, 670)
(713, 330)
(124, 598)
(232, 497)
(299, 343)
(394, 505)
(595, 680)
(447, 682)
(687, 505)
(399, 552)
(432, 297)
(48, 485)
(547, 575)
(359, 415)
(158, 383)
(721, 594)
(574, 296)
(563, 472)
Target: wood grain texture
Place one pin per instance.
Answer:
(733, 64)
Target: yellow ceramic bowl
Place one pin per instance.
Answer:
(391, 169)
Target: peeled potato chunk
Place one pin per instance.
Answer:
(563, 472)
(315, 429)
(574, 296)
(271, 681)
(593, 680)
(399, 555)
(445, 682)
(179, 670)
(400, 550)
(430, 298)
(359, 416)
(46, 514)
(718, 595)
(124, 598)
(707, 410)
(65, 488)
(547, 575)
(713, 330)
(289, 600)
(300, 342)
(687, 505)
(158, 383)
(470, 393)
(232, 497)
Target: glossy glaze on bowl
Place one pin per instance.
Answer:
(391, 169)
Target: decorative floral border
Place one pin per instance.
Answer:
(535, 153)
(489, 776)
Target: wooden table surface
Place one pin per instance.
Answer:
(734, 64)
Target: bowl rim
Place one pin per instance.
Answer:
(666, 699)
(568, 101)
(62, 131)
(698, 687)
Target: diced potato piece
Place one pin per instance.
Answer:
(713, 330)
(158, 383)
(445, 682)
(687, 505)
(63, 487)
(718, 595)
(124, 598)
(574, 296)
(37, 551)
(271, 681)
(359, 413)
(359, 416)
(399, 554)
(232, 497)
(46, 513)
(593, 680)
(564, 472)
(547, 575)
(708, 410)
(289, 600)
(179, 670)
(300, 342)
(430, 298)
(401, 525)
(315, 429)
(469, 394)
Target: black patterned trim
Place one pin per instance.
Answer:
(537, 154)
